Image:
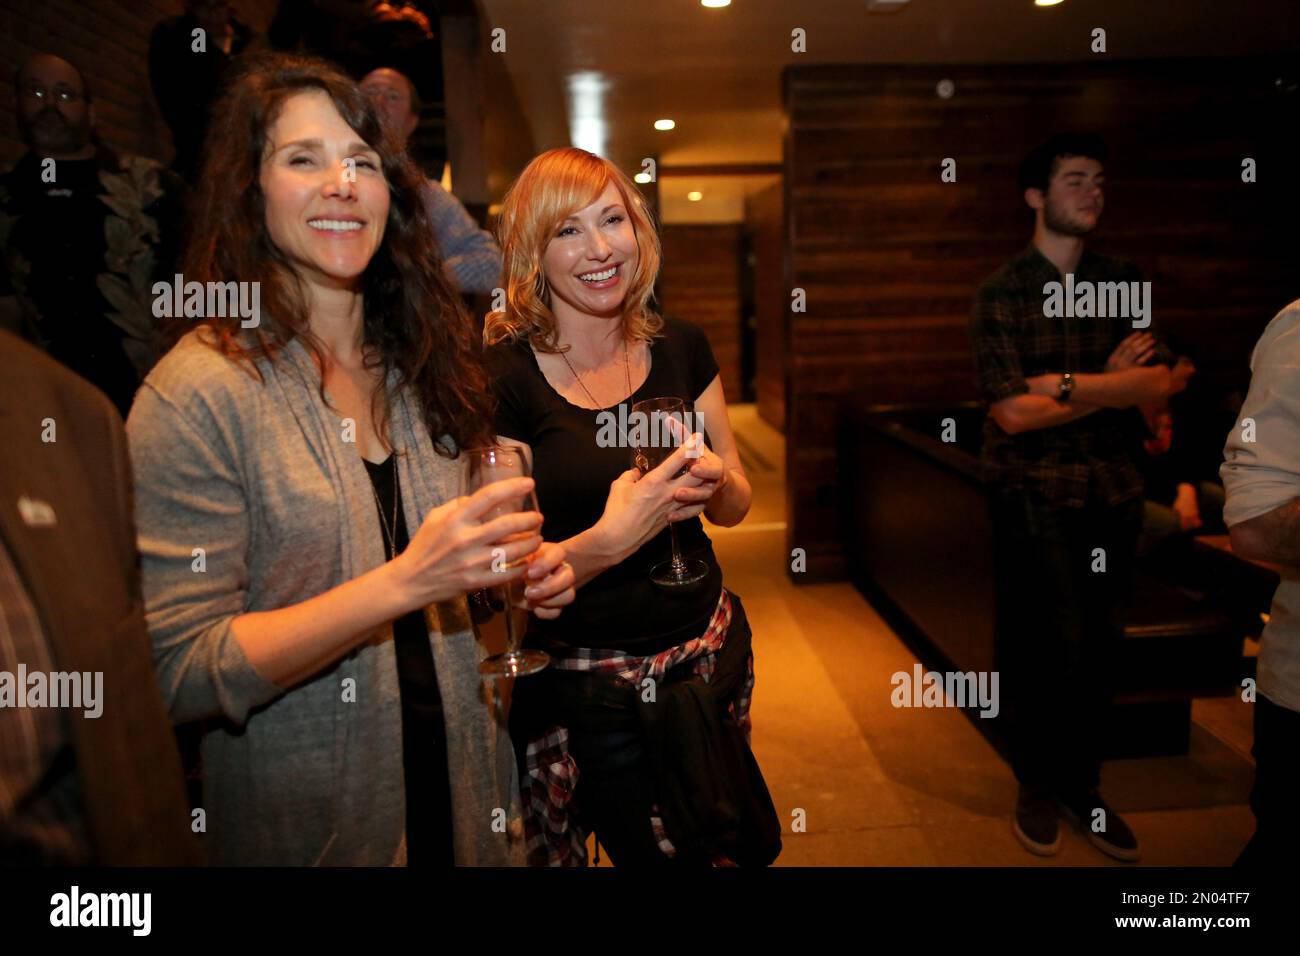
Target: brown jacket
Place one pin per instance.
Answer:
(83, 575)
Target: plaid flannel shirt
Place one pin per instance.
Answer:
(1090, 457)
(554, 836)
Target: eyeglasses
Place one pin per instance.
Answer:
(63, 95)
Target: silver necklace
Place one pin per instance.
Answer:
(627, 370)
(390, 531)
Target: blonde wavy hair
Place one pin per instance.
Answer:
(552, 187)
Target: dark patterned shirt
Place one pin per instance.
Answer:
(82, 242)
(1088, 458)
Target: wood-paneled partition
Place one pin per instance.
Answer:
(700, 281)
(765, 225)
(888, 255)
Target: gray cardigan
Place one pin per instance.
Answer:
(257, 474)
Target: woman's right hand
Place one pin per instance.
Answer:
(454, 551)
(638, 505)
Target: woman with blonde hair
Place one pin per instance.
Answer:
(645, 706)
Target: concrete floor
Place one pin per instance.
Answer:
(880, 786)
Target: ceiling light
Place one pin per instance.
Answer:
(695, 195)
(664, 124)
(641, 178)
(1046, 3)
(715, 3)
(587, 129)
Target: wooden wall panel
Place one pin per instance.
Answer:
(700, 281)
(764, 223)
(890, 256)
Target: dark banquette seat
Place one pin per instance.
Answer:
(918, 536)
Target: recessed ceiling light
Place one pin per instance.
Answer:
(664, 124)
(695, 195)
(641, 178)
(1046, 3)
(715, 3)
(587, 129)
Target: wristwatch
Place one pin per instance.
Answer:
(1065, 387)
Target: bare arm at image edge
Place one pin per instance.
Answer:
(1261, 471)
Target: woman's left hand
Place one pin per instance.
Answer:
(712, 473)
(548, 583)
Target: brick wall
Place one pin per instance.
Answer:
(109, 41)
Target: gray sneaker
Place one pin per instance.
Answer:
(1035, 822)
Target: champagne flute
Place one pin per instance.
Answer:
(482, 467)
(662, 438)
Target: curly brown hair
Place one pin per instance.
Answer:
(412, 319)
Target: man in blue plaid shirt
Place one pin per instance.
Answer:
(1061, 379)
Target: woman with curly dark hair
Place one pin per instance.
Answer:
(280, 460)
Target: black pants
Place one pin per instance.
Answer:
(615, 793)
(1275, 798)
(617, 788)
(616, 779)
(1059, 624)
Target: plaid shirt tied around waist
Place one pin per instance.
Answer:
(554, 836)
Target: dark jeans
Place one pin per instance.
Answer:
(1059, 624)
(617, 787)
(1276, 795)
(615, 793)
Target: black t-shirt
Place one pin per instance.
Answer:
(620, 608)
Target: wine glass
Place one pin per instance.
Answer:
(666, 421)
(482, 467)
